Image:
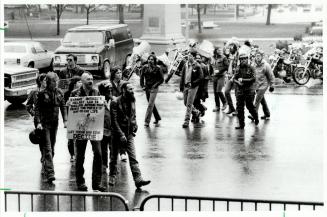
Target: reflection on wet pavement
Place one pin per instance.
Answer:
(210, 158)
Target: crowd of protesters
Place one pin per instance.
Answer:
(231, 67)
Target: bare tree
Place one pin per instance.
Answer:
(121, 13)
(89, 9)
(237, 11)
(269, 14)
(142, 10)
(205, 9)
(199, 17)
(59, 10)
(76, 9)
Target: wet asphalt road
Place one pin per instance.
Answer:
(279, 159)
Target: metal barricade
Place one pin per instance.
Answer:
(226, 202)
(71, 201)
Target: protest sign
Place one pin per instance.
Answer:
(85, 118)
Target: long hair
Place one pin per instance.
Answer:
(154, 58)
(114, 70)
(40, 78)
(216, 52)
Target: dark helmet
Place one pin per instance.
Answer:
(35, 136)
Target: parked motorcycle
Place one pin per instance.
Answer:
(313, 67)
(282, 65)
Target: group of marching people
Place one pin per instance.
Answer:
(232, 66)
(119, 131)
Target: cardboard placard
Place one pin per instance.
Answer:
(85, 118)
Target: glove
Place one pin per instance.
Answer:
(271, 89)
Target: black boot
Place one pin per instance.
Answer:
(240, 127)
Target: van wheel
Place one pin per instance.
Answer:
(31, 65)
(106, 70)
(16, 100)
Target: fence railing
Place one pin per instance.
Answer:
(224, 203)
(65, 201)
(87, 201)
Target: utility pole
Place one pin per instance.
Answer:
(186, 24)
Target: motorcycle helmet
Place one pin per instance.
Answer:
(261, 52)
(35, 136)
(243, 55)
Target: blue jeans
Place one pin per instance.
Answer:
(151, 97)
(105, 144)
(228, 87)
(260, 98)
(189, 96)
(50, 135)
(97, 162)
(129, 147)
(218, 84)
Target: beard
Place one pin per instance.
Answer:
(89, 85)
(258, 61)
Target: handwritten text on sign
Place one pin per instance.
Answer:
(85, 118)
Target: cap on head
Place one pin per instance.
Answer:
(243, 55)
(261, 52)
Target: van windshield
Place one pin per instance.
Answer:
(83, 38)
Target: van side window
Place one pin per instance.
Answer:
(115, 34)
(108, 37)
(33, 50)
(124, 32)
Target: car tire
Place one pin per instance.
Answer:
(50, 67)
(106, 70)
(30, 65)
(16, 100)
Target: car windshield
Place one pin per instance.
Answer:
(15, 49)
(83, 38)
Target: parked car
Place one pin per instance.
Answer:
(18, 83)
(28, 54)
(209, 25)
(97, 47)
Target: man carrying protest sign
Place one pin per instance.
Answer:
(48, 102)
(88, 90)
(124, 127)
